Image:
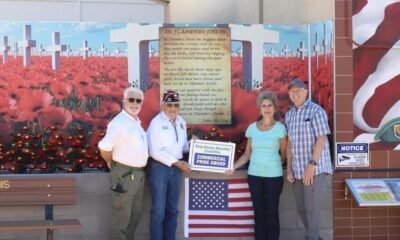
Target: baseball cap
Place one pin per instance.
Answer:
(297, 83)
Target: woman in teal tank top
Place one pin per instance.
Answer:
(265, 149)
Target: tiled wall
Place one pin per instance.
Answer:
(350, 221)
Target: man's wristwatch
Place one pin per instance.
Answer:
(312, 162)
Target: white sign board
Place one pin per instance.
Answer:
(352, 155)
(211, 156)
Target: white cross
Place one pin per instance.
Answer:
(85, 49)
(5, 48)
(331, 45)
(152, 51)
(15, 49)
(102, 50)
(239, 52)
(137, 38)
(325, 45)
(117, 52)
(302, 50)
(40, 51)
(68, 51)
(56, 48)
(265, 54)
(317, 48)
(253, 38)
(272, 52)
(26, 44)
(286, 51)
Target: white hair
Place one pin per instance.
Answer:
(133, 89)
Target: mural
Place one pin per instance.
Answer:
(61, 83)
(376, 50)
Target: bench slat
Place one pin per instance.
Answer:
(40, 224)
(38, 190)
(38, 198)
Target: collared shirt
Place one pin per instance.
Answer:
(127, 140)
(304, 125)
(166, 142)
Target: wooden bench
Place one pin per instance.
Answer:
(38, 190)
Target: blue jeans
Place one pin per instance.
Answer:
(165, 186)
(265, 193)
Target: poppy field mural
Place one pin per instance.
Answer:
(55, 104)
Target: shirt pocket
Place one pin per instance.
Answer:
(167, 135)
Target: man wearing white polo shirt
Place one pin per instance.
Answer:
(124, 148)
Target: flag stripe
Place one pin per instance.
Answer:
(247, 199)
(242, 234)
(220, 230)
(239, 195)
(238, 190)
(249, 226)
(222, 213)
(237, 181)
(241, 209)
(220, 217)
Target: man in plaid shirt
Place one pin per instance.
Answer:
(308, 157)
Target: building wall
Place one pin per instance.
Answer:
(237, 11)
(297, 11)
(350, 221)
(138, 11)
(211, 11)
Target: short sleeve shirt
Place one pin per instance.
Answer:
(127, 140)
(304, 125)
(265, 160)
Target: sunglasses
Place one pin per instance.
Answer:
(170, 105)
(137, 100)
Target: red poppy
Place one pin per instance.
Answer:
(16, 93)
(100, 124)
(114, 92)
(95, 90)
(31, 103)
(111, 107)
(61, 90)
(82, 117)
(55, 116)
(15, 115)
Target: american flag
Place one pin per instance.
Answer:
(218, 208)
(376, 68)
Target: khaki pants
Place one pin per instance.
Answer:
(126, 206)
(309, 201)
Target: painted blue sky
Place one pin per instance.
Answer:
(70, 33)
(99, 33)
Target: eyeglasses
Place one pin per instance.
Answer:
(137, 100)
(170, 105)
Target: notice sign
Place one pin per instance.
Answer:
(352, 155)
(211, 156)
(196, 62)
(375, 191)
